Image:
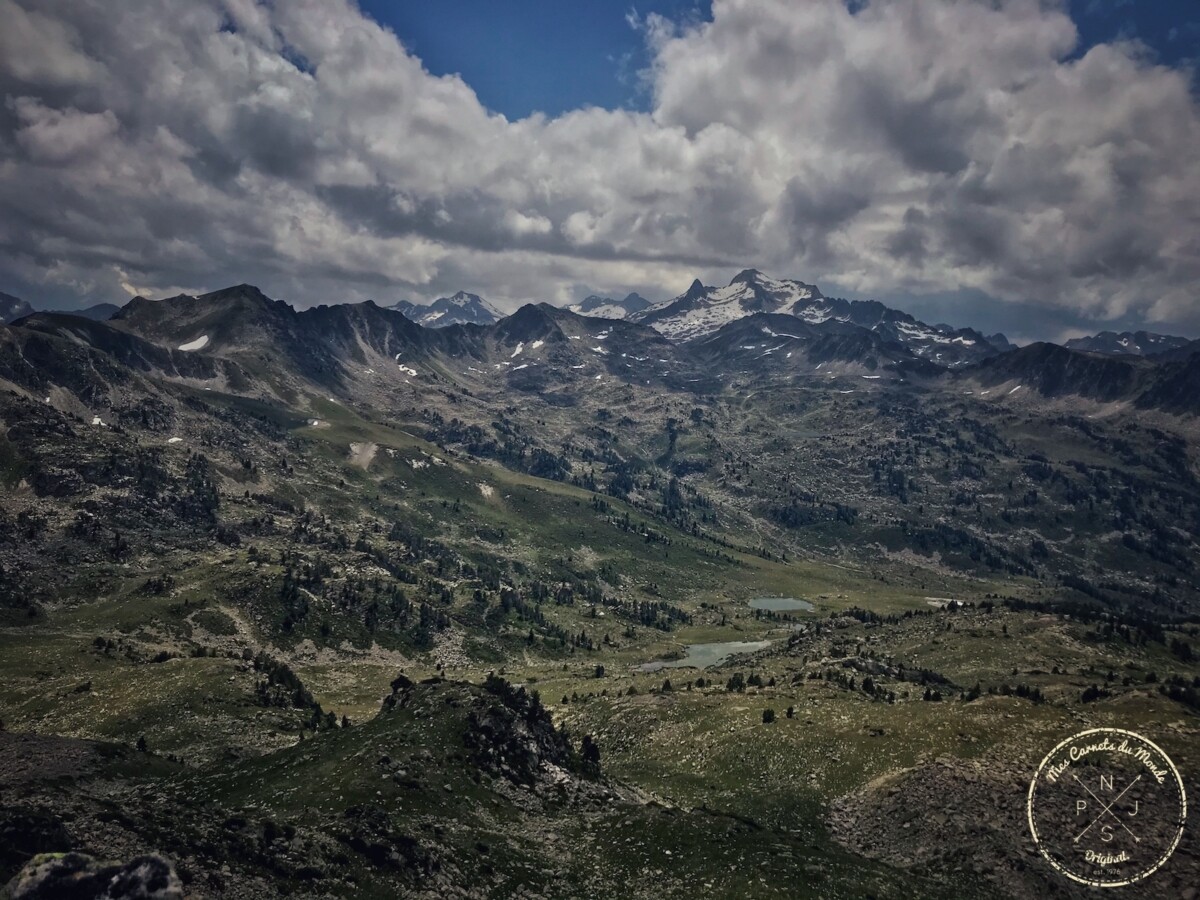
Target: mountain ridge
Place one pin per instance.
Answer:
(542, 347)
(1128, 343)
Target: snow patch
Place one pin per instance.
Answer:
(198, 344)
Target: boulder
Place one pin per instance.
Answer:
(76, 876)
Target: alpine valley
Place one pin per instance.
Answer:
(750, 593)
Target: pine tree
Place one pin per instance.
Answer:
(590, 752)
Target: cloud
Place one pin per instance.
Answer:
(58, 137)
(893, 147)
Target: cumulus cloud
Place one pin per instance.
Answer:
(890, 147)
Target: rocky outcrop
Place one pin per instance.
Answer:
(508, 733)
(76, 876)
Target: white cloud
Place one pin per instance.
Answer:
(899, 146)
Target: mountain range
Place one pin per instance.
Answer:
(755, 327)
(702, 311)
(13, 308)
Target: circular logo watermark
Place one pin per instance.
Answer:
(1107, 807)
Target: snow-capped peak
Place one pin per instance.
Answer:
(702, 310)
(608, 308)
(460, 308)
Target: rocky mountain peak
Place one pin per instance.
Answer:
(747, 276)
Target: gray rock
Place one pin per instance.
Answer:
(76, 876)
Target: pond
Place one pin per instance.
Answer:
(781, 604)
(701, 656)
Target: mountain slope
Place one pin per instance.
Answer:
(1179, 354)
(764, 343)
(1175, 387)
(563, 356)
(1055, 371)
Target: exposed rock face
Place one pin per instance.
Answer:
(75, 876)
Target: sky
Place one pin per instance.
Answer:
(1031, 166)
(527, 56)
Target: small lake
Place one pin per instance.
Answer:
(781, 604)
(701, 656)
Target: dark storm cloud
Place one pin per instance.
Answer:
(921, 147)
